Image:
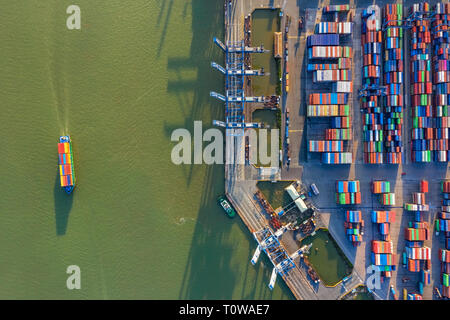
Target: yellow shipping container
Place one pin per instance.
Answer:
(66, 148)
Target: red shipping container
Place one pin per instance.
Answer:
(67, 169)
(61, 148)
(358, 198)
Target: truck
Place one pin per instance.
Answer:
(314, 189)
(394, 294)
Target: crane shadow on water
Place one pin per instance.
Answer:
(63, 205)
(213, 270)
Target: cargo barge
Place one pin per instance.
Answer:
(66, 165)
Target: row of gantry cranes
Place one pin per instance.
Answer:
(281, 260)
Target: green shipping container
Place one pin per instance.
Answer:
(379, 146)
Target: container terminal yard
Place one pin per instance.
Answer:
(364, 131)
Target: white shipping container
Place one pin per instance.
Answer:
(441, 99)
(334, 27)
(325, 75)
(441, 156)
(442, 76)
(343, 87)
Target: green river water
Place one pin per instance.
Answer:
(138, 226)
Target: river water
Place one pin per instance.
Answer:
(138, 226)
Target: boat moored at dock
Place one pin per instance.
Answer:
(223, 202)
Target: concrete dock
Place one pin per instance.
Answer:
(240, 180)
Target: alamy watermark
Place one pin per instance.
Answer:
(214, 147)
(373, 280)
(73, 22)
(74, 280)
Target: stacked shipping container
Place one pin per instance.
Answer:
(329, 52)
(342, 63)
(336, 8)
(354, 225)
(421, 85)
(330, 64)
(415, 235)
(442, 225)
(383, 257)
(393, 79)
(348, 192)
(444, 258)
(437, 137)
(325, 146)
(65, 164)
(383, 188)
(334, 27)
(418, 206)
(384, 220)
(372, 117)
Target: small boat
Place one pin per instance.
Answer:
(66, 165)
(226, 206)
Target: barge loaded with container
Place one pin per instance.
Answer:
(66, 166)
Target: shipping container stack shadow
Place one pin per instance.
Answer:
(308, 28)
(303, 148)
(63, 206)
